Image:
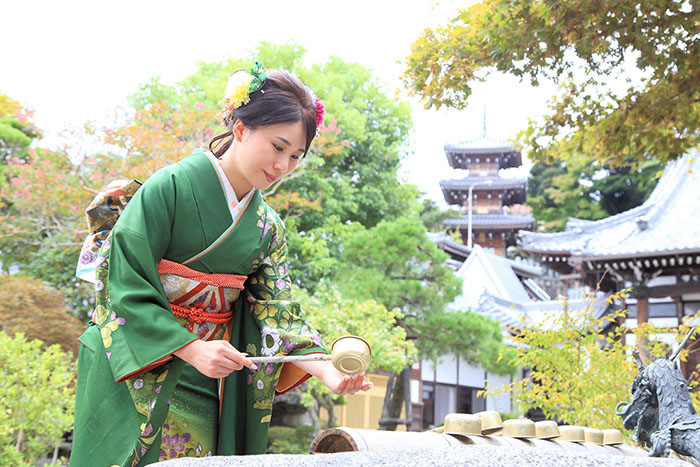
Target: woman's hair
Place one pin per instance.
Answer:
(283, 98)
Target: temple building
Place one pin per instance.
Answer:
(654, 249)
(493, 224)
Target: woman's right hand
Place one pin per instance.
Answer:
(215, 359)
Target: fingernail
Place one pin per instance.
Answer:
(254, 367)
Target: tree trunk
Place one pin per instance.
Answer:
(393, 400)
(326, 401)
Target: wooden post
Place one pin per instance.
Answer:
(643, 317)
(407, 398)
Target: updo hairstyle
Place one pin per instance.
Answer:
(283, 98)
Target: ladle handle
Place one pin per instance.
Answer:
(290, 358)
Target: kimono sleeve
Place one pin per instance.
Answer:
(138, 330)
(283, 330)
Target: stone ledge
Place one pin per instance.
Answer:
(455, 456)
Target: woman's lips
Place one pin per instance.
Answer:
(269, 177)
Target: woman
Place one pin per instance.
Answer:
(190, 281)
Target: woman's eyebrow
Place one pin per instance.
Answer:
(286, 141)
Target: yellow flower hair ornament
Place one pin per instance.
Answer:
(241, 84)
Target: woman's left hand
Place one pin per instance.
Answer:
(342, 384)
(336, 381)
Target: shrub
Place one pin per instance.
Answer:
(37, 398)
(286, 440)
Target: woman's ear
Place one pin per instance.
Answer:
(237, 129)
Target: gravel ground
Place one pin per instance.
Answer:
(492, 456)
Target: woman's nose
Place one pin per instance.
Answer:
(281, 165)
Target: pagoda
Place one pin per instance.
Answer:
(493, 225)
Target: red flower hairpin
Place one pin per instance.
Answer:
(320, 112)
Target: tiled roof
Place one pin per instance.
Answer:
(480, 145)
(510, 312)
(666, 223)
(509, 221)
(494, 183)
(482, 150)
(482, 272)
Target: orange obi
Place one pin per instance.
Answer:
(198, 292)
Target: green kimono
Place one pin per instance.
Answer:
(137, 403)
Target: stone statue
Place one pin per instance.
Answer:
(661, 408)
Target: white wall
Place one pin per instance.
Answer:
(447, 370)
(472, 376)
(502, 402)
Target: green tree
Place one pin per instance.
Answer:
(433, 216)
(627, 71)
(37, 391)
(558, 190)
(396, 264)
(474, 337)
(591, 191)
(623, 188)
(17, 131)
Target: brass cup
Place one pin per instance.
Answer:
(519, 428)
(462, 424)
(571, 433)
(490, 421)
(612, 437)
(593, 436)
(350, 354)
(547, 429)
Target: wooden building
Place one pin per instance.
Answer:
(653, 248)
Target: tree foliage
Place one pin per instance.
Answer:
(589, 190)
(38, 312)
(433, 216)
(627, 70)
(474, 337)
(17, 130)
(397, 265)
(579, 367)
(37, 390)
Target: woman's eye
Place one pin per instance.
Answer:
(295, 157)
(277, 148)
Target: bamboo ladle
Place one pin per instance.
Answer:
(350, 355)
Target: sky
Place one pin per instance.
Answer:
(74, 60)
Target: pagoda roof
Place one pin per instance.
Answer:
(500, 151)
(456, 191)
(481, 145)
(483, 183)
(665, 224)
(493, 221)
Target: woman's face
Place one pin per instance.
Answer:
(263, 155)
